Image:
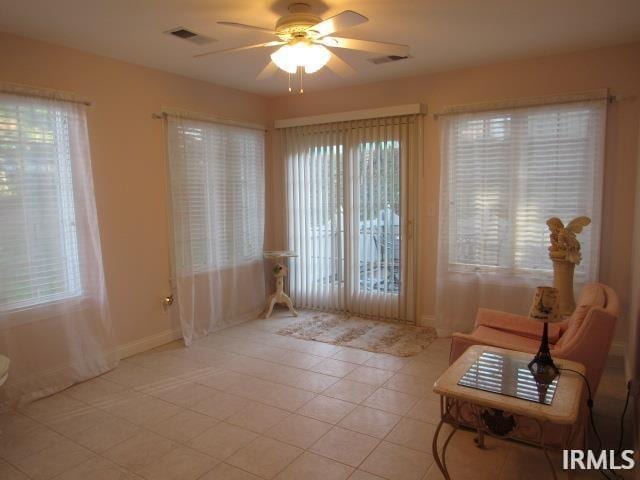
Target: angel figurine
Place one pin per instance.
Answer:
(564, 244)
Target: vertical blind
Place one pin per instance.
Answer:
(38, 244)
(217, 218)
(349, 203)
(504, 173)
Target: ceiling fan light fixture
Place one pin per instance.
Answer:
(304, 54)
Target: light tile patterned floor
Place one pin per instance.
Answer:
(245, 403)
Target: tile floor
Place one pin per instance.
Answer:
(245, 403)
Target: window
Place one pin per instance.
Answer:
(38, 240)
(217, 187)
(509, 171)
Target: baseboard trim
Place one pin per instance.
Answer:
(147, 343)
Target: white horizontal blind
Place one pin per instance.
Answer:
(509, 171)
(217, 188)
(38, 243)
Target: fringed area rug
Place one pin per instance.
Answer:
(371, 335)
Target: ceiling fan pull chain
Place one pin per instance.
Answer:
(289, 82)
(301, 89)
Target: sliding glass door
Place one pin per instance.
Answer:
(350, 215)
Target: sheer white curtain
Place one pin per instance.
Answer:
(54, 318)
(351, 213)
(217, 209)
(504, 173)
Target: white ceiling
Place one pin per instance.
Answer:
(442, 34)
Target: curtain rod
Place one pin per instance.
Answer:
(41, 92)
(591, 95)
(367, 114)
(203, 117)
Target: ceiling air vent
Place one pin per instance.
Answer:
(387, 59)
(188, 35)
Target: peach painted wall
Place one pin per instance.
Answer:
(615, 67)
(128, 158)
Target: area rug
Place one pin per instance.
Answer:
(370, 335)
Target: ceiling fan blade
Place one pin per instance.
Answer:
(268, 71)
(342, 21)
(339, 66)
(366, 45)
(237, 49)
(246, 27)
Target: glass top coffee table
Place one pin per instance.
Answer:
(491, 390)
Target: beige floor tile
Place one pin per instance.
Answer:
(413, 434)
(386, 362)
(53, 460)
(143, 410)
(15, 445)
(299, 431)
(301, 360)
(133, 376)
(264, 457)
(222, 440)
(369, 375)
(288, 398)
(220, 406)
(395, 462)
(313, 467)
(315, 382)
(178, 464)
(426, 410)
(184, 426)
(98, 468)
(350, 391)
(345, 446)
(221, 380)
(51, 408)
(317, 348)
(13, 423)
(370, 421)
(353, 355)
(96, 390)
(105, 435)
(326, 409)
(8, 472)
(333, 367)
(225, 471)
(74, 422)
(391, 401)
(462, 449)
(257, 417)
(463, 471)
(362, 475)
(182, 393)
(424, 370)
(253, 389)
(140, 450)
(415, 386)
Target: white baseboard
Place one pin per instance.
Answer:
(147, 343)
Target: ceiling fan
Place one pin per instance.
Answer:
(304, 38)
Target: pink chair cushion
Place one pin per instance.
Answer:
(591, 296)
(500, 338)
